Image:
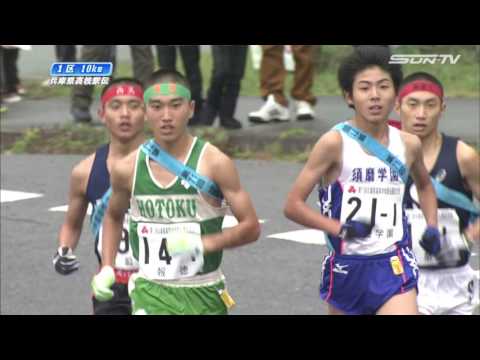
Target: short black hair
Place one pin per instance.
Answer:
(122, 80)
(167, 75)
(364, 57)
(420, 75)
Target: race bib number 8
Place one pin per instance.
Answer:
(156, 262)
(452, 240)
(124, 259)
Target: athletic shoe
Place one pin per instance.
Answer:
(305, 111)
(270, 111)
(11, 98)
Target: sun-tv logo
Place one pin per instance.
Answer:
(416, 59)
(80, 73)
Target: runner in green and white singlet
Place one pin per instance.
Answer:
(175, 231)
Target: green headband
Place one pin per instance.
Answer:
(167, 89)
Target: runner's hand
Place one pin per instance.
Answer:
(355, 229)
(102, 284)
(184, 243)
(430, 241)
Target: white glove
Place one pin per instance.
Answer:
(102, 284)
(185, 243)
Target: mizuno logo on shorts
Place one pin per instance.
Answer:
(340, 269)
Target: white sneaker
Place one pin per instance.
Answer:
(11, 98)
(305, 111)
(270, 111)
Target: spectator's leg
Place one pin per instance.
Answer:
(11, 70)
(2, 71)
(167, 57)
(236, 59)
(304, 73)
(3, 108)
(142, 59)
(82, 95)
(66, 53)
(272, 73)
(191, 61)
(219, 72)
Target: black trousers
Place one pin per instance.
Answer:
(228, 69)
(190, 54)
(82, 95)
(9, 69)
(120, 304)
(66, 53)
(142, 59)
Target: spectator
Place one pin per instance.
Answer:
(142, 59)
(11, 86)
(66, 53)
(63, 53)
(228, 70)
(167, 59)
(272, 77)
(3, 108)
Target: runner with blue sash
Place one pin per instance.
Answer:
(371, 268)
(448, 285)
(176, 214)
(123, 114)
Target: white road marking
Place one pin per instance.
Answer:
(64, 208)
(310, 236)
(230, 221)
(10, 196)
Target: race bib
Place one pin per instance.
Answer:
(452, 241)
(378, 204)
(156, 263)
(124, 259)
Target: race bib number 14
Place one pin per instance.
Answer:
(156, 262)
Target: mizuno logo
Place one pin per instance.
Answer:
(340, 269)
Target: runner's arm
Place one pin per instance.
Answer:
(469, 162)
(77, 207)
(247, 230)
(324, 157)
(117, 207)
(426, 192)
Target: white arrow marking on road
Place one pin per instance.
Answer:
(228, 221)
(10, 196)
(311, 236)
(64, 208)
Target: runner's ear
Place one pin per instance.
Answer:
(192, 108)
(100, 113)
(397, 106)
(348, 98)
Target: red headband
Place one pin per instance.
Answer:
(122, 90)
(421, 85)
